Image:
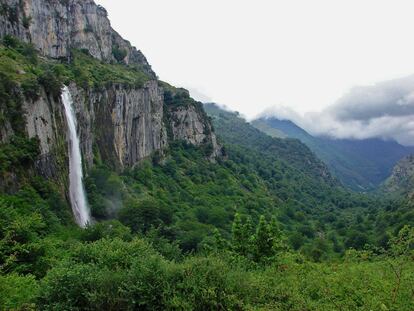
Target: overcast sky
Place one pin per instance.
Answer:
(251, 55)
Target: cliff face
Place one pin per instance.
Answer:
(401, 180)
(190, 124)
(57, 26)
(123, 124)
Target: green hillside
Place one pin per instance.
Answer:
(361, 165)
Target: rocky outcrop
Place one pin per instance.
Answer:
(401, 181)
(191, 124)
(57, 26)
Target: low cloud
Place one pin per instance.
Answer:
(282, 113)
(384, 110)
(198, 95)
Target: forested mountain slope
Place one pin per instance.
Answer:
(361, 165)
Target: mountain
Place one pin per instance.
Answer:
(401, 181)
(362, 165)
(235, 131)
(124, 114)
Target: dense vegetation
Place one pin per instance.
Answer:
(314, 205)
(49, 265)
(19, 62)
(266, 227)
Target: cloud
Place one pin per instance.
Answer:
(199, 95)
(281, 112)
(364, 103)
(384, 110)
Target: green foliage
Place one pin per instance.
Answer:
(119, 275)
(241, 235)
(10, 41)
(31, 89)
(87, 72)
(19, 154)
(263, 240)
(51, 83)
(119, 54)
(18, 292)
(26, 21)
(144, 215)
(11, 104)
(19, 63)
(25, 218)
(106, 230)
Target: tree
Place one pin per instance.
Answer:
(356, 240)
(140, 216)
(241, 235)
(296, 240)
(219, 242)
(263, 240)
(401, 252)
(119, 54)
(278, 240)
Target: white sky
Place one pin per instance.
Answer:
(249, 55)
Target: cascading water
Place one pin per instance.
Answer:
(76, 189)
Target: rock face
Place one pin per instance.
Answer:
(57, 26)
(120, 123)
(191, 124)
(45, 120)
(402, 179)
(125, 124)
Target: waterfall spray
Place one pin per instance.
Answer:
(76, 190)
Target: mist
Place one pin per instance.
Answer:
(383, 110)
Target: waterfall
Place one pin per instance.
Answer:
(76, 189)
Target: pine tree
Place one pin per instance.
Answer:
(240, 236)
(278, 240)
(263, 240)
(219, 242)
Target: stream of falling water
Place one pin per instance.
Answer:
(76, 190)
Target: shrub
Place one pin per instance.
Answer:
(17, 292)
(10, 41)
(51, 83)
(119, 54)
(31, 89)
(141, 216)
(26, 21)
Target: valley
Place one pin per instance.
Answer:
(119, 191)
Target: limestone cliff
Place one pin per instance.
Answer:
(122, 123)
(57, 26)
(401, 181)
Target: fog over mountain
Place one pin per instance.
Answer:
(383, 110)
